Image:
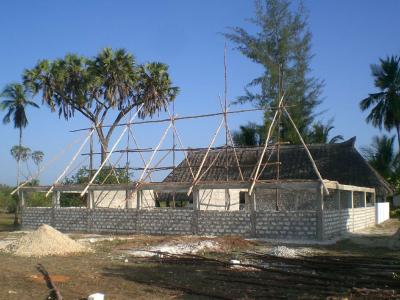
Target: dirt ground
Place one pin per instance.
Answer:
(365, 266)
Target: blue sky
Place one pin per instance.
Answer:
(347, 37)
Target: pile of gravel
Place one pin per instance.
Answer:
(45, 241)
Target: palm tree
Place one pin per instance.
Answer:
(15, 101)
(382, 156)
(320, 133)
(111, 83)
(37, 157)
(385, 105)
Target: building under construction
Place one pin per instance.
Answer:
(278, 191)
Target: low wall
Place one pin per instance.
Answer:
(382, 212)
(291, 225)
(286, 224)
(339, 222)
(261, 224)
(224, 223)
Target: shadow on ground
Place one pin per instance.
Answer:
(265, 276)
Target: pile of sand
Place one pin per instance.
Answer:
(45, 241)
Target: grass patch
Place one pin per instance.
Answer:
(7, 222)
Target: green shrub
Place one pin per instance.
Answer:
(7, 201)
(395, 213)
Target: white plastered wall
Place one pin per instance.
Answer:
(111, 199)
(220, 199)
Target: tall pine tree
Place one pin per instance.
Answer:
(282, 46)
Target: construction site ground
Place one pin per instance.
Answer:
(365, 265)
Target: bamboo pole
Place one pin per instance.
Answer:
(264, 149)
(181, 144)
(181, 118)
(45, 167)
(155, 151)
(137, 146)
(209, 166)
(308, 152)
(205, 157)
(71, 162)
(112, 149)
(141, 155)
(229, 135)
(113, 169)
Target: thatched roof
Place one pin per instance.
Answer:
(339, 162)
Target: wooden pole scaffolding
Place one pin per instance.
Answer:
(141, 156)
(173, 148)
(71, 162)
(154, 152)
(113, 170)
(205, 157)
(112, 149)
(181, 118)
(307, 151)
(225, 110)
(181, 144)
(230, 138)
(45, 167)
(264, 149)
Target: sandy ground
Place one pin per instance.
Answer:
(213, 271)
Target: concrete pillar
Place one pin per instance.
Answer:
(90, 202)
(319, 213)
(55, 197)
(196, 199)
(196, 211)
(139, 199)
(365, 198)
(129, 199)
(253, 214)
(22, 198)
(352, 209)
(339, 209)
(227, 199)
(338, 199)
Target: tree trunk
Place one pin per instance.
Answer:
(18, 200)
(104, 149)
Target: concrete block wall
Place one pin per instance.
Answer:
(286, 224)
(339, 222)
(363, 217)
(165, 221)
(32, 217)
(224, 223)
(70, 219)
(105, 220)
(263, 224)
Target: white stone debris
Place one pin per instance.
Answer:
(171, 248)
(283, 251)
